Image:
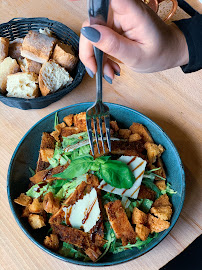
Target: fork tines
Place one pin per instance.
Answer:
(99, 120)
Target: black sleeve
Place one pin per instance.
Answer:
(192, 30)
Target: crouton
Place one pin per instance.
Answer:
(142, 231)
(146, 193)
(4, 44)
(124, 133)
(163, 200)
(69, 120)
(114, 126)
(80, 121)
(23, 200)
(52, 242)
(120, 223)
(153, 151)
(36, 221)
(142, 131)
(25, 212)
(47, 143)
(36, 206)
(46, 154)
(138, 217)
(163, 212)
(134, 137)
(51, 204)
(157, 224)
(161, 184)
(67, 131)
(55, 134)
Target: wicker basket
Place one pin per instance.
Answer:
(19, 27)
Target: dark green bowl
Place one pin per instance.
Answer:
(26, 154)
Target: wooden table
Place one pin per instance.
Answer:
(170, 98)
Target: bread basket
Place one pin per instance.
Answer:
(18, 28)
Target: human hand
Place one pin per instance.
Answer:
(137, 37)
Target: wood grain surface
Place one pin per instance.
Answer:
(171, 98)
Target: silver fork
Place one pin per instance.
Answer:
(98, 12)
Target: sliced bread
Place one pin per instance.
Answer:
(15, 48)
(64, 56)
(28, 65)
(4, 44)
(23, 85)
(53, 77)
(8, 66)
(37, 47)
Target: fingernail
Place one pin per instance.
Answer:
(108, 79)
(116, 73)
(90, 73)
(91, 33)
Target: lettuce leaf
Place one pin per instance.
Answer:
(139, 244)
(143, 204)
(169, 190)
(69, 187)
(56, 120)
(70, 251)
(37, 190)
(73, 139)
(149, 183)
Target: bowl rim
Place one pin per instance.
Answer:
(77, 262)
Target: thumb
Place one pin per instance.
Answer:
(112, 43)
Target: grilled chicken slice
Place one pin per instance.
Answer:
(97, 231)
(78, 238)
(47, 175)
(120, 223)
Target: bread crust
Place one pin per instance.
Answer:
(37, 47)
(4, 45)
(45, 90)
(28, 65)
(15, 48)
(64, 56)
(7, 67)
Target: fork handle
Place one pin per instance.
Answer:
(98, 13)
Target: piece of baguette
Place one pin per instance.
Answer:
(64, 56)
(23, 85)
(8, 66)
(28, 65)
(53, 77)
(4, 44)
(15, 48)
(37, 47)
